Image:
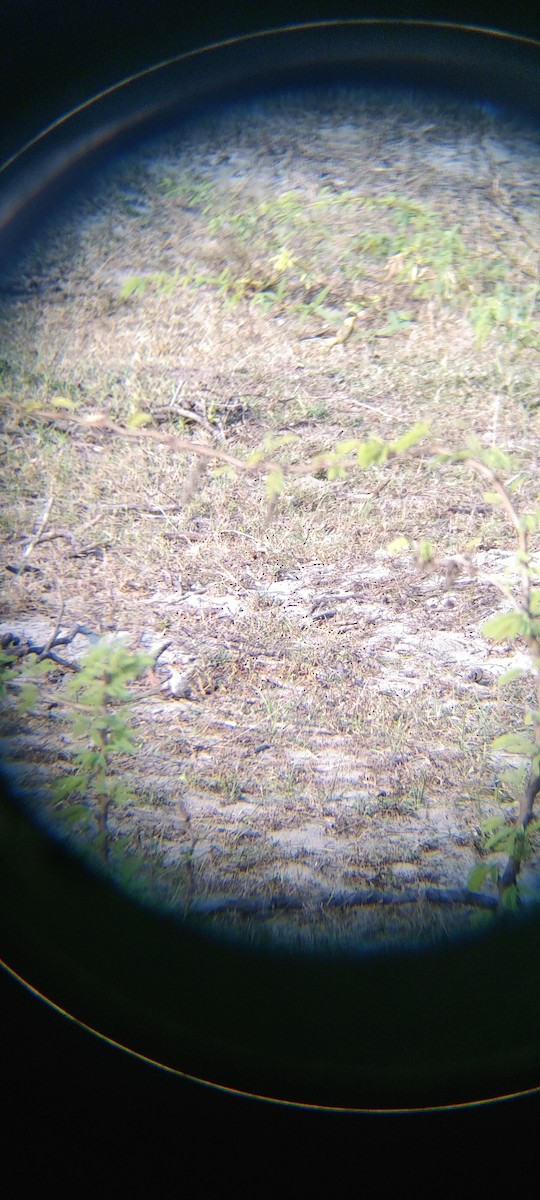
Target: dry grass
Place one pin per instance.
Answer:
(186, 287)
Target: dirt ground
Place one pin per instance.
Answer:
(315, 755)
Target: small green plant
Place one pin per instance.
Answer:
(229, 785)
(191, 191)
(95, 694)
(508, 309)
(523, 782)
(6, 662)
(25, 669)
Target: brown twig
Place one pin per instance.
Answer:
(204, 450)
(47, 649)
(52, 639)
(40, 529)
(51, 534)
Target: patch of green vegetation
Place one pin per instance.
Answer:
(101, 730)
(300, 253)
(521, 781)
(98, 702)
(510, 310)
(230, 787)
(189, 189)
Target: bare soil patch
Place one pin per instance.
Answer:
(324, 766)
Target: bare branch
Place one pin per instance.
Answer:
(40, 529)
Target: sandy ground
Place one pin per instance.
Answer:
(326, 768)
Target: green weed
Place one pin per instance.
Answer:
(99, 702)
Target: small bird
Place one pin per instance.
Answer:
(329, 338)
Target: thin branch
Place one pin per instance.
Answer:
(184, 445)
(52, 640)
(46, 650)
(40, 529)
(482, 469)
(361, 404)
(52, 534)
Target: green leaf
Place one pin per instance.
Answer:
(491, 824)
(319, 299)
(398, 545)
(529, 521)
(502, 840)
(506, 626)
(274, 484)
(253, 460)
(509, 676)
(138, 419)
(336, 472)
(126, 744)
(373, 451)
(272, 443)
(62, 402)
(480, 875)
(94, 760)
(76, 814)
(283, 260)
(519, 842)
(495, 458)
(515, 743)
(120, 793)
(514, 778)
(426, 551)
(67, 787)
(135, 284)
(510, 899)
(41, 668)
(414, 435)
(348, 447)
